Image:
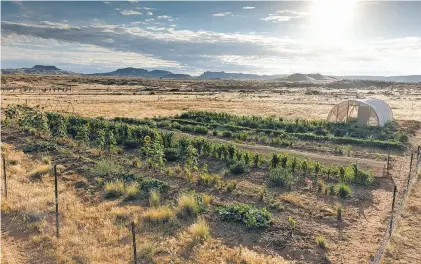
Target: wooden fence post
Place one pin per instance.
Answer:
(395, 188)
(56, 195)
(5, 178)
(134, 244)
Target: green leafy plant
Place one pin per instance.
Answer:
(344, 190)
(238, 168)
(280, 177)
(249, 215)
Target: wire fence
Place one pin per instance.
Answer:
(415, 165)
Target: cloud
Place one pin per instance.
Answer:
(168, 18)
(82, 55)
(129, 13)
(156, 28)
(248, 7)
(222, 14)
(150, 13)
(284, 15)
(221, 51)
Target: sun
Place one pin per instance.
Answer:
(331, 20)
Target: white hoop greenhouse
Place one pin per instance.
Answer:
(371, 112)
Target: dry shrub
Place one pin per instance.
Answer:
(40, 171)
(207, 199)
(46, 160)
(245, 255)
(199, 230)
(187, 205)
(293, 199)
(154, 198)
(147, 251)
(159, 215)
(131, 190)
(114, 189)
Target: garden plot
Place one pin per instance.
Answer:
(196, 194)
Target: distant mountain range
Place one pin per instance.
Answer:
(38, 69)
(208, 75)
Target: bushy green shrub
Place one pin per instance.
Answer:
(226, 134)
(41, 147)
(149, 184)
(247, 214)
(171, 154)
(201, 130)
(401, 137)
(238, 168)
(105, 167)
(175, 125)
(344, 190)
(280, 177)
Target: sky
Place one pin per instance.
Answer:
(335, 37)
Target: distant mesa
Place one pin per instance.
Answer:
(133, 72)
(38, 69)
(210, 75)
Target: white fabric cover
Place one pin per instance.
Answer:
(380, 112)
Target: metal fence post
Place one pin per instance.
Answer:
(5, 178)
(56, 195)
(395, 188)
(410, 170)
(134, 244)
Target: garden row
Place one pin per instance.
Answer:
(276, 136)
(317, 130)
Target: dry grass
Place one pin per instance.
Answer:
(40, 171)
(14, 158)
(251, 257)
(131, 190)
(405, 244)
(187, 205)
(96, 231)
(147, 251)
(114, 189)
(293, 198)
(262, 98)
(154, 198)
(159, 215)
(199, 230)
